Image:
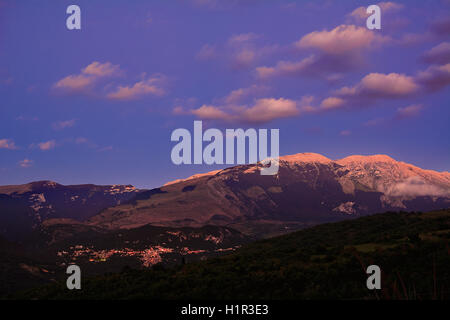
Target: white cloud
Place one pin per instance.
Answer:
(416, 187)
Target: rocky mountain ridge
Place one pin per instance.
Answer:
(25, 207)
(308, 188)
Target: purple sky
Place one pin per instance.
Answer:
(98, 105)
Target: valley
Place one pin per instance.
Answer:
(323, 262)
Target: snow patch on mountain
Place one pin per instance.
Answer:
(37, 201)
(346, 207)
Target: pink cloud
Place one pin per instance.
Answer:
(27, 118)
(107, 148)
(439, 54)
(330, 67)
(75, 82)
(408, 112)
(305, 104)
(441, 27)
(375, 122)
(261, 111)
(238, 39)
(403, 113)
(286, 68)
(239, 95)
(48, 145)
(390, 6)
(183, 106)
(60, 125)
(178, 110)
(375, 86)
(244, 52)
(379, 85)
(206, 112)
(360, 13)
(26, 163)
(7, 81)
(91, 75)
(391, 86)
(7, 144)
(332, 103)
(81, 140)
(410, 39)
(98, 69)
(435, 77)
(149, 86)
(90, 144)
(340, 50)
(244, 58)
(265, 110)
(88, 77)
(240, 51)
(206, 52)
(370, 88)
(342, 39)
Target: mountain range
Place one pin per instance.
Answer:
(23, 208)
(308, 189)
(44, 226)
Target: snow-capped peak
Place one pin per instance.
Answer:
(306, 157)
(365, 159)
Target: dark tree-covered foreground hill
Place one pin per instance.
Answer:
(326, 261)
